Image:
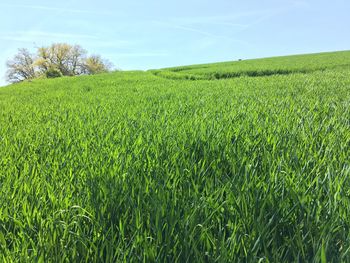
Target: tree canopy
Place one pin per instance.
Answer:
(59, 59)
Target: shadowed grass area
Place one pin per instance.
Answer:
(133, 167)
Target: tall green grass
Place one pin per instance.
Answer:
(133, 167)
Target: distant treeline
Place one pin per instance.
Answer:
(57, 60)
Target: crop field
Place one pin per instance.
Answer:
(245, 161)
(260, 67)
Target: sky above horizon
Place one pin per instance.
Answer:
(138, 34)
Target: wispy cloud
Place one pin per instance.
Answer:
(204, 33)
(142, 54)
(300, 3)
(32, 36)
(184, 28)
(37, 37)
(207, 25)
(55, 9)
(238, 20)
(227, 28)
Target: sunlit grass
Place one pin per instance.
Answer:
(134, 167)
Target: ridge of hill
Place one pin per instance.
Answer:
(260, 67)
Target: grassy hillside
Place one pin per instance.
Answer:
(261, 67)
(175, 165)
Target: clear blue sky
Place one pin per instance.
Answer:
(139, 34)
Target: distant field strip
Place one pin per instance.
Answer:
(259, 67)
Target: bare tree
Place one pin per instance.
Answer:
(95, 65)
(69, 60)
(59, 59)
(76, 64)
(21, 67)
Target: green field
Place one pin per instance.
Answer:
(243, 161)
